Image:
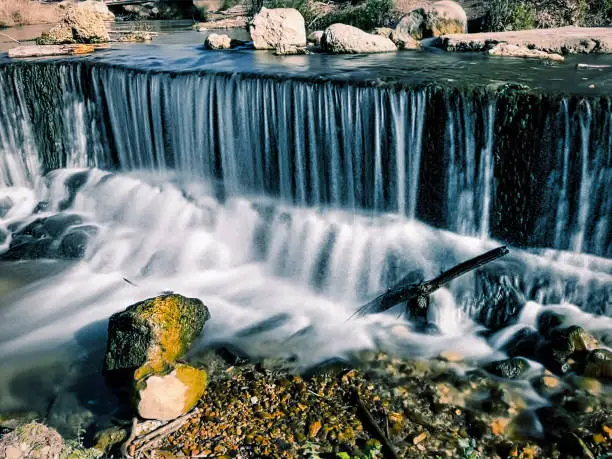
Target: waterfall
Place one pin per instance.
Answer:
(475, 162)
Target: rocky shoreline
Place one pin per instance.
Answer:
(221, 404)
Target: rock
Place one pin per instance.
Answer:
(598, 365)
(73, 245)
(78, 25)
(565, 344)
(508, 50)
(383, 31)
(139, 36)
(6, 204)
(290, 50)
(31, 441)
(217, 41)
(590, 385)
(404, 41)
(547, 385)
(166, 397)
(548, 320)
(513, 368)
(562, 40)
(522, 344)
(441, 18)
(315, 37)
(151, 335)
(98, 7)
(107, 439)
(341, 38)
(280, 26)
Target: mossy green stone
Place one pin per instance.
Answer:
(155, 332)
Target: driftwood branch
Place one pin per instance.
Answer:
(136, 447)
(416, 294)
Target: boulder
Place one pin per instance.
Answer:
(167, 396)
(217, 41)
(32, 441)
(151, 335)
(342, 39)
(441, 18)
(315, 37)
(271, 28)
(80, 24)
(510, 50)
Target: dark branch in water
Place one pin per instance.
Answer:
(130, 282)
(417, 294)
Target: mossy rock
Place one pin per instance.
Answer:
(151, 335)
(599, 365)
(168, 396)
(513, 368)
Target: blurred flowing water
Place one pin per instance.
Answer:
(284, 202)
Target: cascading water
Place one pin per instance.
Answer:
(293, 200)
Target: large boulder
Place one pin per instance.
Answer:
(148, 337)
(342, 38)
(271, 28)
(168, 396)
(32, 441)
(441, 18)
(80, 24)
(315, 37)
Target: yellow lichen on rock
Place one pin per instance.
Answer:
(166, 397)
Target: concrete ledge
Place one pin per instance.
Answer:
(562, 40)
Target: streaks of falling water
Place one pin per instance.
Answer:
(585, 178)
(563, 204)
(314, 143)
(469, 190)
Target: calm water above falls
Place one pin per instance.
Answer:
(285, 192)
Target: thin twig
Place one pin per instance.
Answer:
(125, 448)
(10, 38)
(156, 435)
(373, 425)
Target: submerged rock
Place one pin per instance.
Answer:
(151, 335)
(217, 41)
(80, 24)
(345, 39)
(513, 368)
(441, 18)
(510, 50)
(271, 28)
(168, 396)
(31, 441)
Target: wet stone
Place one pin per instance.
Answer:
(513, 368)
(73, 245)
(6, 205)
(548, 320)
(523, 343)
(598, 365)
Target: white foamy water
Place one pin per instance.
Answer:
(278, 280)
